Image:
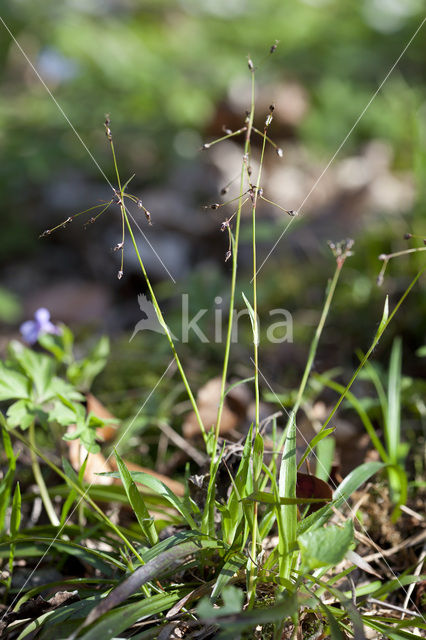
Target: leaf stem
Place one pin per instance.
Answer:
(44, 494)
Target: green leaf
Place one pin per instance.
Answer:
(266, 497)
(136, 500)
(232, 603)
(7, 481)
(118, 620)
(385, 317)
(287, 514)
(229, 569)
(15, 517)
(355, 479)
(393, 428)
(158, 487)
(253, 320)
(59, 345)
(12, 383)
(83, 373)
(326, 546)
(37, 366)
(23, 413)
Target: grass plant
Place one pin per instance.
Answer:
(270, 561)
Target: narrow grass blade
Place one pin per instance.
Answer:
(160, 488)
(161, 564)
(325, 455)
(229, 569)
(254, 324)
(146, 522)
(7, 481)
(287, 514)
(393, 430)
(122, 618)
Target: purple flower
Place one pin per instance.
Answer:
(31, 329)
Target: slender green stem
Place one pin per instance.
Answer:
(82, 492)
(44, 494)
(158, 312)
(164, 325)
(234, 266)
(313, 349)
(255, 319)
(376, 339)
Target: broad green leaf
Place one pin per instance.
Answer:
(23, 413)
(326, 546)
(232, 603)
(37, 366)
(82, 373)
(12, 383)
(136, 500)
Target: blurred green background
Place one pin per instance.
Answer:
(170, 74)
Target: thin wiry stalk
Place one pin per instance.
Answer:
(164, 325)
(38, 476)
(234, 268)
(125, 221)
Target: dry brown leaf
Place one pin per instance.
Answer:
(208, 399)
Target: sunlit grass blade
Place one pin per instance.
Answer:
(287, 514)
(118, 620)
(160, 488)
(7, 481)
(231, 566)
(164, 563)
(137, 502)
(325, 455)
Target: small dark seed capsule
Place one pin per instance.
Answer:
(214, 206)
(139, 204)
(273, 48)
(407, 236)
(424, 241)
(224, 190)
(271, 108)
(224, 225)
(118, 246)
(250, 64)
